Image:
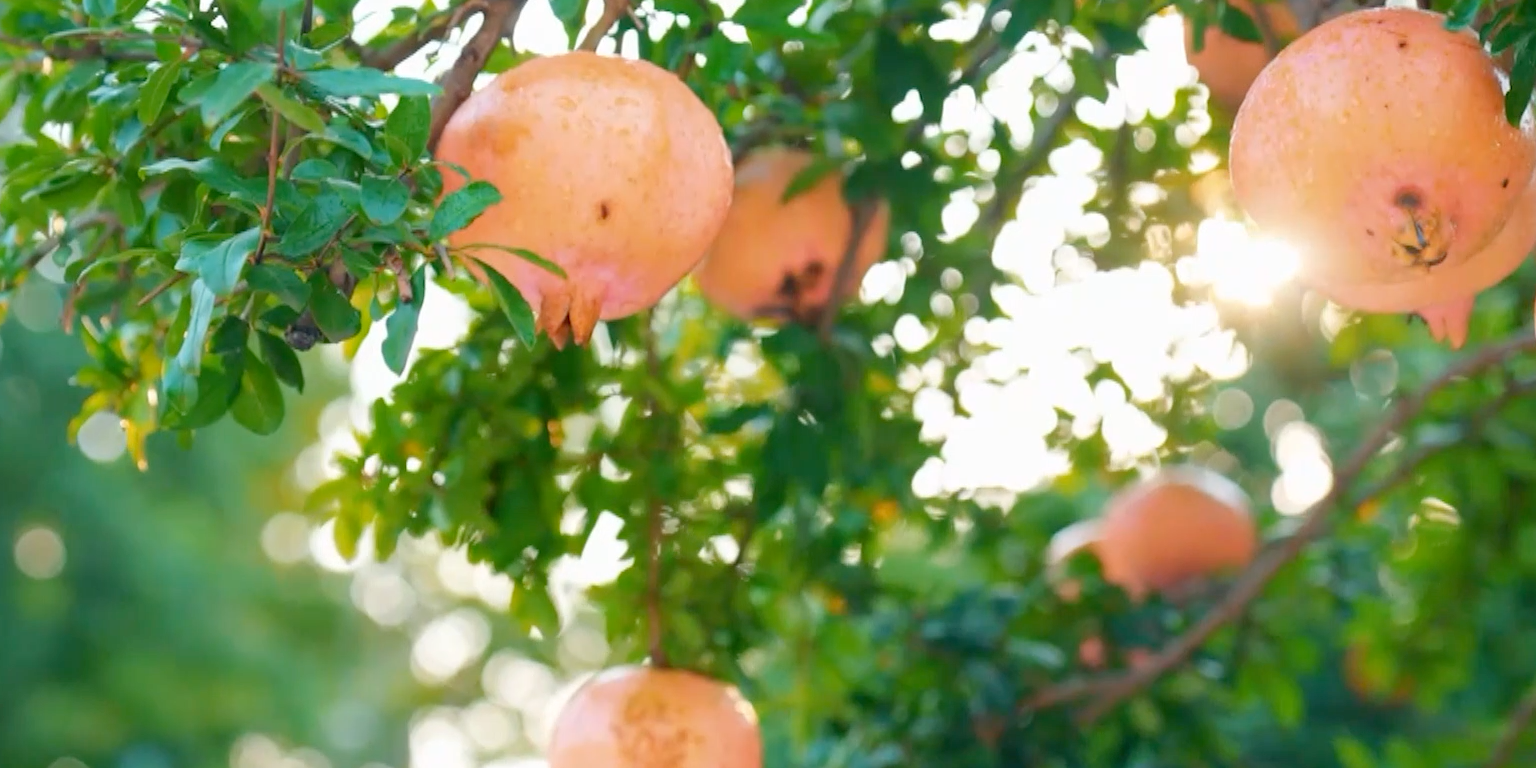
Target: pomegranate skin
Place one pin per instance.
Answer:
(779, 259)
(1377, 145)
(644, 717)
(1448, 320)
(1181, 524)
(609, 167)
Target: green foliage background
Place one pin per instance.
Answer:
(199, 272)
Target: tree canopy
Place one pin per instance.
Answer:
(845, 515)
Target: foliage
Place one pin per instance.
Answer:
(240, 182)
(168, 635)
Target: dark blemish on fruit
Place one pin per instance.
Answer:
(1504, 184)
(602, 210)
(789, 287)
(1370, 232)
(1408, 199)
(812, 273)
(1401, 44)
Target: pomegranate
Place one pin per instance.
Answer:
(1228, 65)
(1179, 525)
(645, 717)
(774, 258)
(609, 167)
(1377, 145)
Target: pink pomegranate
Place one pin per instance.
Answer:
(645, 717)
(609, 167)
(1376, 143)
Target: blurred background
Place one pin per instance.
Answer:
(191, 613)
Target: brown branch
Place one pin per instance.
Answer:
(52, 242)
(437, 28)
(1033, 156)
(863, 213)
(613, 10)
(274, 149)
(1111, 690)
(1519, 722)
(654, 531)
(496, 22)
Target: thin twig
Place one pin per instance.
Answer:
(274, 150)
(613, 10)
(437, 28)
(1519, 723)
(161, 288)
(53, 242)
(496, 22)
(1111, 690)
(1007, 191)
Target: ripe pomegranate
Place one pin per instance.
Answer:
(645, 717)
(774, 258)
(1228, 65)
(1377, 145)
(609, 167)
(1179, 525)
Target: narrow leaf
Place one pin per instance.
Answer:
(294, 111)
(365, 81)
(512, 303)
(156, 90)
(461, 207)
(234, 85)
(218, 263)
(411, 122)
(400, 327)
(384, 198)
(259, 407)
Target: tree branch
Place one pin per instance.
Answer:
(274, 150)
(437, 28)
(613, 10)
(497, 21)
(654, 531)
(1519, 723)
(1110, 691)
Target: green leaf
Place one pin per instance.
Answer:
(1352, 752)
(1462, 14)
(572, 15)
(411, 122)
(259, 407)
(100, 9)
(532, 608)
(218, 263)
(1522, 80)
(347, 138)
(1238, 24)
(461, 207)
(365, 81)
(522, 253)
(335, 316)
(279, 281)
(284, 361)
(319, 223)
(295, 112)
(384, 198)
(156, 90)
(400, 328)
(815, 171)
(234, 84)
(512, 303)
(213, 172)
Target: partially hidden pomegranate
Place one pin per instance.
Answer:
(779, 259)
(1177, 526)
(1376, 144)
(1229, 65)
(647, 717)
(609, 167)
